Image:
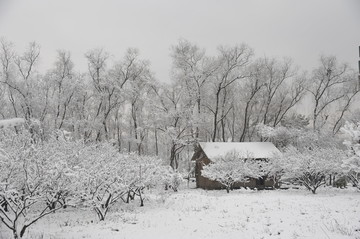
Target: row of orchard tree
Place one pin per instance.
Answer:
(218, 97)
(41, 177)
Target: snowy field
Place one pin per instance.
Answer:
(195, 213)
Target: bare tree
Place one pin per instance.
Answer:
(7, 58)
(327, 87)
(250, 89)
(25, 66)
(19, 84)
(351, 90)
(97, 65)
(64, 86)
(275, 73)
(232, 62)
(288, 97)
(137, 95)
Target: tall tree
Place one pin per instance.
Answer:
(194, 69)
(251, 89)
(231, 68)
(351, 90)
(104, 92)
(275, 73)
(22, 81)
(131, 78)
(327, 87)
(175, 118)
(64, 86)
(7, 66)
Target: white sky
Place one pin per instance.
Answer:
(301, 29)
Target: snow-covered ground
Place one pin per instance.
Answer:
(194, 213)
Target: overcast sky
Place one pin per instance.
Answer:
(301, 29)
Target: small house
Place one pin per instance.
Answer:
(208, 152)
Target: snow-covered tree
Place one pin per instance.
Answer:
(297, 121)
(280, 136)
(174, 119)
(141, 172)
(101, 177)
(232, 168)
(283, 137)
(274, 169)
(170, 178)
(107, 176)
(310, 165)
(35, 179)
(351, 164)
(194, 69)
(63, 89)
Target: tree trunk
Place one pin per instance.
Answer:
(242, 137)
(215, 116)
(15, 234)
(22, 232)
(199, 114)
(172, 157)
(156, 143)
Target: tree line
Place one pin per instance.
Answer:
(220, 97)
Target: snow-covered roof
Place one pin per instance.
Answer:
(215, 150)
(6, 123)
